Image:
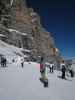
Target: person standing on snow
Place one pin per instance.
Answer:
(43, 71)
(51, 67)
(63, 69)
(41, 64)
(22, 62)
(2, 65)
(3, 61)
(71, 72)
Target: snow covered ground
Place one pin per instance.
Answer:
(18, 83)
(10, 51)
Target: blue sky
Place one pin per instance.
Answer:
(58, 17)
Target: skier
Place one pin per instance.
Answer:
(3, 62)
(71, 72)
(41, 64)
(13, 60)
(51, 67)
(43, 71)
(63, 69)
(22, 62)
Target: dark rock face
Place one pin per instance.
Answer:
(22, 20)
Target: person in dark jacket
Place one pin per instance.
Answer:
(63, 69)
(71, 72)
(22, 62)
(3, 61)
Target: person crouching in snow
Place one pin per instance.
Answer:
(43, 71)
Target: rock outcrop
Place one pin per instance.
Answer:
(22, 27)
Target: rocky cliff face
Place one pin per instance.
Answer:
(22, 28)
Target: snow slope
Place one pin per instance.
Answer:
(9, 51)
(6, 49)
(18, 83)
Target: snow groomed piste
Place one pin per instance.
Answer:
(17, 83)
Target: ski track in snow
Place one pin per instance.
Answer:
(17, 83)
